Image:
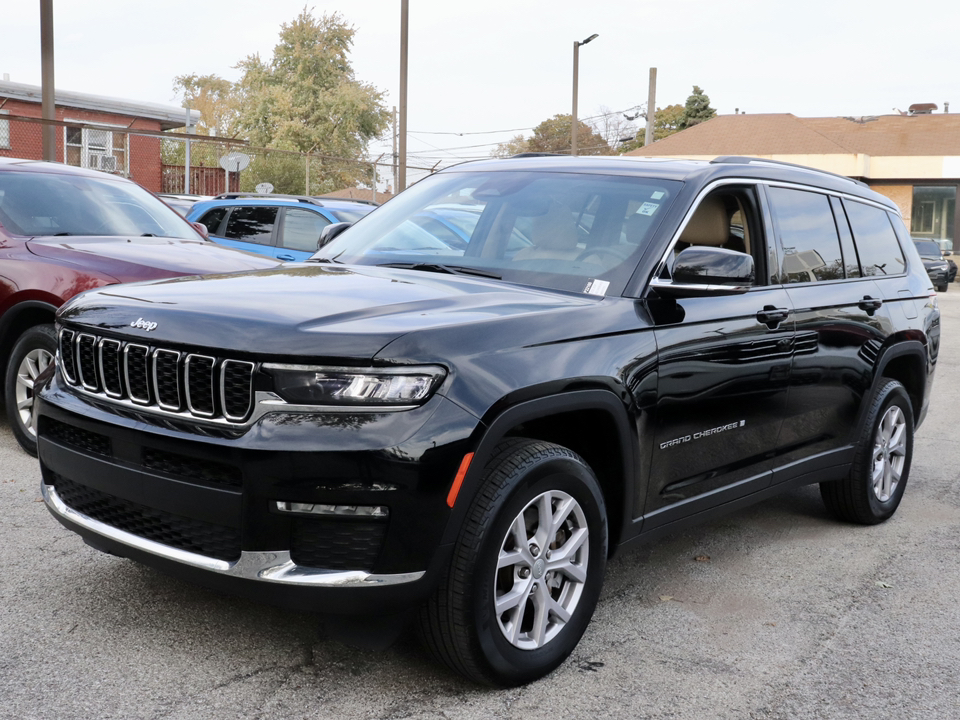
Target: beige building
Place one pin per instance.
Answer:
(912, 159)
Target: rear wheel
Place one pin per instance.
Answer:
(31, 355)
(527, 569)
(872, 491)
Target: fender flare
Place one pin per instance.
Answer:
(495, 430)
(9, 317)
(900, 349)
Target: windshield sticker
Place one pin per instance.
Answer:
(648, 208)
(597, 287)
(657, 195)
(702, 434)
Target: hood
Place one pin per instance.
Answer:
(309, 310)
(147, 258)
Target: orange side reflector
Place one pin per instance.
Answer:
(458, 480)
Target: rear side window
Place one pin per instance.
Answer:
(251, 224)
(212, 219)
(301, 229)
(808, 235)
(877, 245)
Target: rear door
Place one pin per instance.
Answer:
(841, 322)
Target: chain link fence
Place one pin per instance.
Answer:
(174, 162)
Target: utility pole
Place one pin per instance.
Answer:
(651, 106)
(395, 148)
(576, 82)
(404, 25)
(48, 103)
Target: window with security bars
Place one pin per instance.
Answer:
(96, 149)
(4, 130)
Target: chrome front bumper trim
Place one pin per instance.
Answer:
(274, 567)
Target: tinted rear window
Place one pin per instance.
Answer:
(877, 244)
(251, 224)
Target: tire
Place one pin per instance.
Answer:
(460, 626)
(32, 353)
(942, 288)
(878, 476)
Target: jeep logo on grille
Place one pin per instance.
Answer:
(144, 324)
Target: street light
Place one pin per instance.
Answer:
(576, 66)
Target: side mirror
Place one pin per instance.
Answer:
(202, 229)
(331, 231)
(702, 270)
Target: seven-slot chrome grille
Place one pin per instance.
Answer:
(158, 378)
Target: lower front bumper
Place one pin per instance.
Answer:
(261, 576)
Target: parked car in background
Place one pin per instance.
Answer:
(935, 264)
(952, 271)
(465, 429)
(286, 227)
(180, 202)
(64, 230)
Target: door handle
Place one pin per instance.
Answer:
(870, 304)
(286, 257)
(772, 316)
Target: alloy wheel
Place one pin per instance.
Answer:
(889, 453)
(32, 364)
(541, 570)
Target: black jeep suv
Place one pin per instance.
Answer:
(468, 424)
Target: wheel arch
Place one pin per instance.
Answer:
(906, 363)
(593, 423)
(16, 320)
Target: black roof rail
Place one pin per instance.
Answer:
(268, 196)
(353, 200)
(539, 154)
(746, 160)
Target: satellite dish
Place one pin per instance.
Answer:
(235, 161)
(264, 188)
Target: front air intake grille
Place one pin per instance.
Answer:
(157, 378)
(76, 437)
(338, 544)
(180, 466)
(194, 536)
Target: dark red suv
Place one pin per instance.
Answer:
(64, 230)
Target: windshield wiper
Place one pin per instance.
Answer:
(325, 260)
(449, 269)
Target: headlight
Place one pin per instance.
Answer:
(317, 385)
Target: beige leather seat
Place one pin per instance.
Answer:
(554, 235)
(710, 224)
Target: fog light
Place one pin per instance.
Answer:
(375, 511)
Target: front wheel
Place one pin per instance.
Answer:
(527, 569)
(31, 355)
(878, 476)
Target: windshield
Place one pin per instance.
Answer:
(566, 231)
(35, 204)
(928, 249)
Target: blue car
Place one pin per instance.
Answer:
(286, 227)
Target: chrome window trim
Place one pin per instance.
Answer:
(273, 567)
(100, 345)
(80, 374)
(186, 384)
(755, 182)
(137, 402)
(223, 389)
(156, 383)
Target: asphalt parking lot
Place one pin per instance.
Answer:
(774, 612)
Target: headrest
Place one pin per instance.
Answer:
(710, 224)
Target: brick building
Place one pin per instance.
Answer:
(105, 137)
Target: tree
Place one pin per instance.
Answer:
(306, 98)
(697, 109)
(553, 136)
(666, 122)
(215, 98)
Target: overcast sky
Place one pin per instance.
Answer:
(506, 65)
